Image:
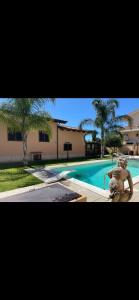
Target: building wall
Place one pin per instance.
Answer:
(132, 136)
(128, 148)
(48, 149)
(135, 118)
(77, 140)
(12, 150)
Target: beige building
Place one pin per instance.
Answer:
(39, 145)
(131, 136)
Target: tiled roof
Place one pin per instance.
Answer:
(63, 127)
(133, 112)
(59, 121)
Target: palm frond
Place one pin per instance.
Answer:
(125, 118)
(86, 122)
(112, 127)
(39, 121)
(7, 117)
(113, 103)
(114, 133)
(28, 105)
(92, 133)
(97, 102)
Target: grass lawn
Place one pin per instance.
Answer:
(13, 178)
(60, 161)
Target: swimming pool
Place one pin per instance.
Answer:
(93, 173)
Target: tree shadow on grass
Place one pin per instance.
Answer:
(14, 178)
(10, 172)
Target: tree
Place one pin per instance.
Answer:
(25, 114)
(106, 119)
(113, 141)
(93, 134)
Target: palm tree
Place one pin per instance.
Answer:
(106, 119)
(93, 134)
(25, 114)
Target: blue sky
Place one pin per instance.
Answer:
(74, 110)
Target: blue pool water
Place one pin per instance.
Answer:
(94, 173)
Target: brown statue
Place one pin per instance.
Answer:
(118, 176)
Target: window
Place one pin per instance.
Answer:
(126, 137)
(67, 147)
(37, 157)
(14, 135)
(43, 136)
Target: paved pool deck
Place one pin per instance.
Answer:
(91, 196)
(95, 197)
